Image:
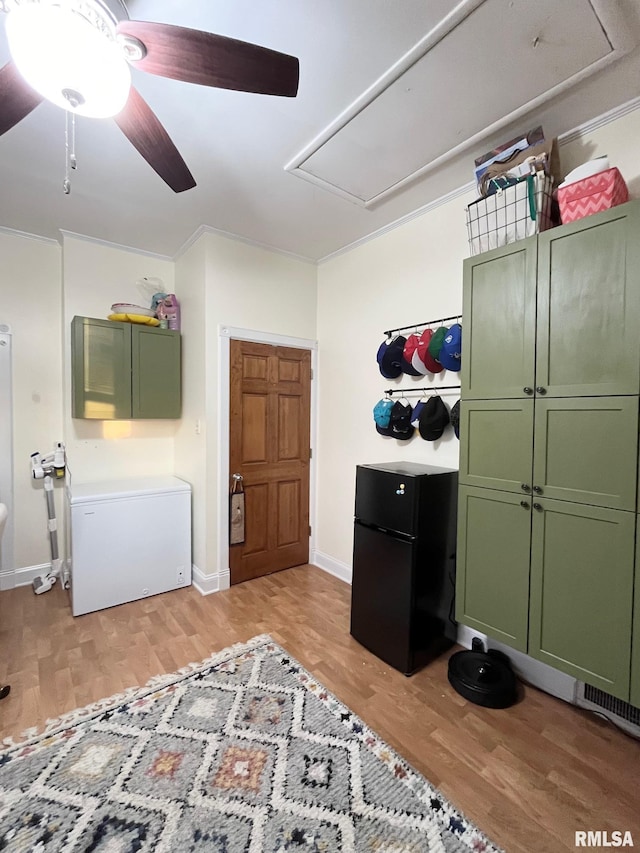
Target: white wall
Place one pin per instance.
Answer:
(190, 446)
(94, 277)
(31, 304)
(245, 287)
(409, 275)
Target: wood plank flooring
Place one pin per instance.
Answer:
(528, 776)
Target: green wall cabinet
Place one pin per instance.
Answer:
(634, 693)
(499, 310)
(496, 448)
(589, 306)
(493, 554)
(549, 449)
(578, 449)
(556, 315)
(585, 450)
(582, 565)
(124, 371)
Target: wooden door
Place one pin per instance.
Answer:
(582, 592)
(269, 444)
(492, 575)
(589, 306)
(100, 369)
(156, 372)
(496, 444)
(634, 695)
(499, 316)
(586, 450)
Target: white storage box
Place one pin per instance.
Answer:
(128, 539)
(511, 214)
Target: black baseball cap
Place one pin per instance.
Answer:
(434, 417)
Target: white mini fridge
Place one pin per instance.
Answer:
(127, 539)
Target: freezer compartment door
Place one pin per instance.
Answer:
(382, 595)
(386, 499)
(129, 548)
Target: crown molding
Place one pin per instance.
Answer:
(420, 211)
(563, 139)
(599, 121)
(96, 241)
(210, 229)
(13, 232)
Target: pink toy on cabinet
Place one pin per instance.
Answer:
(169, 309)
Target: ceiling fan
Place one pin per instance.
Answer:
(78, 54)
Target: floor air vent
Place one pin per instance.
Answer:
(621, 713)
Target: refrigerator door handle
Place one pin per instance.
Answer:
(395, 534)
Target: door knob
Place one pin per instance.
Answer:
(527, 390)
(537, 490)
(525, 487)
(524, 504)
(538, 507)
(540, 390)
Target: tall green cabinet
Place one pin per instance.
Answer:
(124, 370)
(549, 448)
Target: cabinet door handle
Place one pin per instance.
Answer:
(527, 390)
(525, 487)
(538, 507)
(524, 504)
(540, 390)
(537, 490)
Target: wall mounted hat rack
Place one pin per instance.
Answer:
(419, 325)
(436, 389)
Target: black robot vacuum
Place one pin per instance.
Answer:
(485, 678)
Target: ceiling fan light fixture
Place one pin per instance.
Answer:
(59, 50)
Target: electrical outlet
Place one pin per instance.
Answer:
(180, 575)
(198, 427)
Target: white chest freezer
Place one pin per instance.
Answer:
(127, 539)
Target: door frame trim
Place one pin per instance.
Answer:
(225, 335)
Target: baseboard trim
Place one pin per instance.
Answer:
(22, 577)
(208, 584)
(534, 672)
(331, 566)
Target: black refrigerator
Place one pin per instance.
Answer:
(404, 562)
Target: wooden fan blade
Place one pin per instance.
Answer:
(140, 125)
(194, 56)
(17, 98)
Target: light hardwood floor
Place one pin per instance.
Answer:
(529, 776)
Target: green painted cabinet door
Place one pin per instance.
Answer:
(101, 369)
(582, 592)
(492, 576)
(589, 306)
(156, 373)
(586, 450)
(496, 444)
(499, 309)
(634, 693)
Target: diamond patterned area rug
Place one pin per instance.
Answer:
(245, 751)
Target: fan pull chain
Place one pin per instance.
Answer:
(69, 150)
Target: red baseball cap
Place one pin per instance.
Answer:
(425, 356)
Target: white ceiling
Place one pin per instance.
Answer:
(396, 99)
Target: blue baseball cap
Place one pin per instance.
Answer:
(390, 357)
(382, 412)
(451, 350)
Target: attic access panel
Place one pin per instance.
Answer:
(483, 66)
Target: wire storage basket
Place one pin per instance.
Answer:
(513, 213)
